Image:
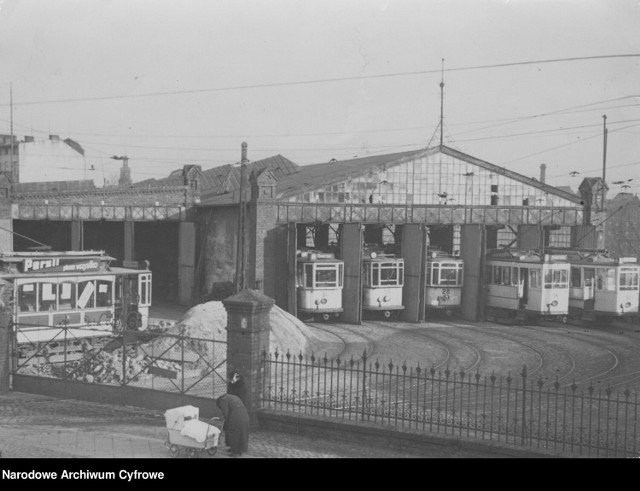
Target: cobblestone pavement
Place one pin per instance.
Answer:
(36, 426)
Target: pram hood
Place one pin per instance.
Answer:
(176, 417)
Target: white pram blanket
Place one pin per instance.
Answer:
(200, 431)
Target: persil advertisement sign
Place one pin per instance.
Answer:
(60, 265)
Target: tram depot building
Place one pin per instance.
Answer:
(187, 225)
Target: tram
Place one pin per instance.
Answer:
(603, 288)
(526, 285)
(319, 282)
(63, 299)
(383, 281)
(444, 279)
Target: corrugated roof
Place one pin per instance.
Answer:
(212, 181)
(53, 186)
(319, 175)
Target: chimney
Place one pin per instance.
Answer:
(543, 172)
(54, 138)
(28, 139)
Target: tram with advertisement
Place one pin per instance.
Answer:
(319, 283)
(383, 281)
(63, 300)
(603, 288)
(443, 284)
(526, 286)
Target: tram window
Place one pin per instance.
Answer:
(589, 274)
(326, 276)
(628, 279)
(514, 276)
(435, 273)
(600, 279)
(506, 279)
(66, 295)
(576, 277)
(388, 274)
(47, 293)
(86, 295)
(560, 278)
(497, 275)
(610, 283)
(534, 278)
(103, 293)
(488, 274)
(340, 274)
(299, 276)
(448, 275)
(145, 290)
(27, 298)
(308, 271)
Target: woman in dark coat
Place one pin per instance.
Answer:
(236, 423)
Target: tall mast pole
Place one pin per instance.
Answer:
(604, 157)
(441, 102)
(11, 168)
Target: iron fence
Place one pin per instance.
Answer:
(513, 409)
(97, 354)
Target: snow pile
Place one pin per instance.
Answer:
(208, 321)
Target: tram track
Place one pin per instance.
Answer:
(605, 342)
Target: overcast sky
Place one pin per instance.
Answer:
(170, 82)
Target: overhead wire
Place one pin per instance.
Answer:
(318, 81)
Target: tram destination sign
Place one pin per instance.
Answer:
(60, 265)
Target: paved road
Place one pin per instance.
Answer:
(36, 426)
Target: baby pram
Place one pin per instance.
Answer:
(187, 433)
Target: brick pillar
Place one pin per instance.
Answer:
(129, 241)
(77, 235)
(248, 332)
(5, 335)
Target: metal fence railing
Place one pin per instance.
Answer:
(512, 409)
(147, 359)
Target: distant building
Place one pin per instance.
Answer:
(9, 157)
(53, 159)
(623, 225)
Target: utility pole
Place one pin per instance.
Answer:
(240, 256)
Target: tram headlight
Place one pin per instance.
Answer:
(386, 298)
(317, 302)
(323, 301)
(627, 305)
(554, 303)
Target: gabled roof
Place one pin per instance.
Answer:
(317, 176)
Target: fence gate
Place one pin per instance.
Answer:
(149, 368)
